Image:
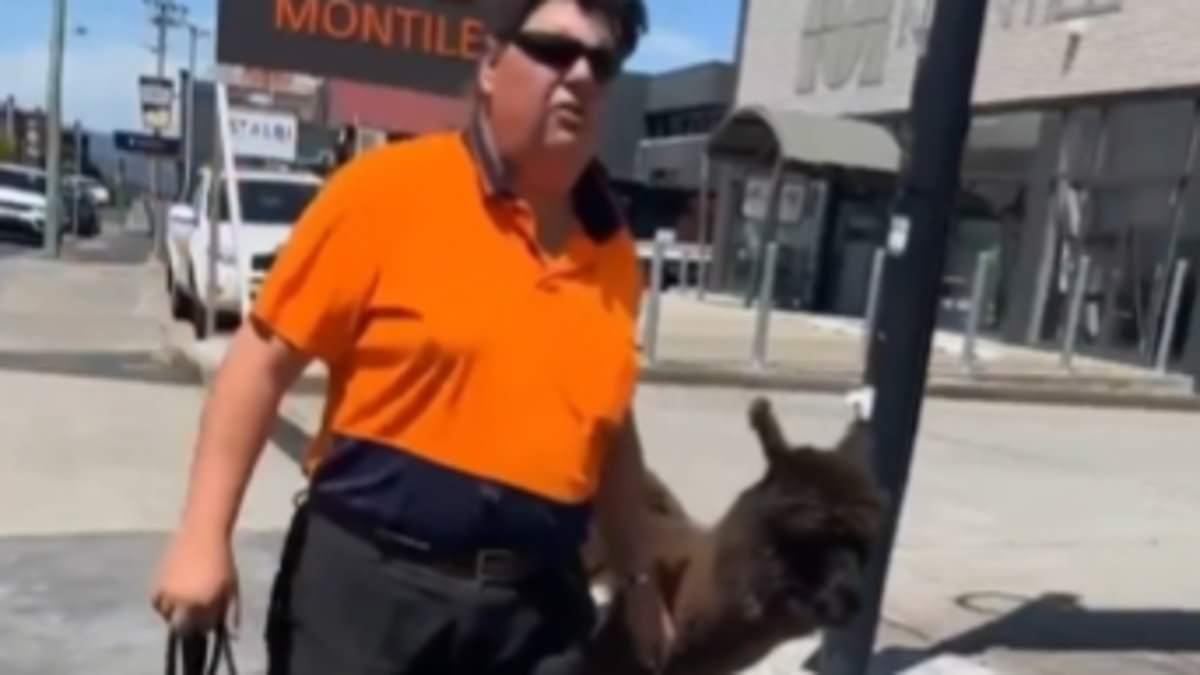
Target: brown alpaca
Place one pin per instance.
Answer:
(785, 560)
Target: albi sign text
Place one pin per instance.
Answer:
(850, 41)
(429, 45)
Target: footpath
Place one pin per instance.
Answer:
(1036, 540)
(708, 343)
(98, 424)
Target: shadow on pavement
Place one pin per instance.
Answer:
(290, 438)
(137, 366)
(1056, 622)
(18, 243)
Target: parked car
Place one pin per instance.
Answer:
(81, 211)
(23, 200)
(96, 190)
(271, 202)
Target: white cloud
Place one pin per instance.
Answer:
(665, 48)
(99, 81)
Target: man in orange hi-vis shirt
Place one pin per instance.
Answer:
(475, 297)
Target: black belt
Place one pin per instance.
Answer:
(484, 565)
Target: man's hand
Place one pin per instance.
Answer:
(650, 625)
(197, 587)
(624, 524)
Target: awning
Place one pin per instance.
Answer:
(806, 140)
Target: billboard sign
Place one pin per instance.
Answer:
(263, 133)
(427, 45)
(158, 96)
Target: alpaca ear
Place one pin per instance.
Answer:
(858, 444)
(770, 435)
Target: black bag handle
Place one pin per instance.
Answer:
(192, 650)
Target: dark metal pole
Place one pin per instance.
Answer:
(899, 354)
(77, 180)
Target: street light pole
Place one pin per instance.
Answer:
(900, 342)
(58, 29)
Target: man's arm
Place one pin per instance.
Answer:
(622, 518)
(237, 419)
(197, 581)
(621, 504)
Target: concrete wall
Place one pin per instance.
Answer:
(859, 56)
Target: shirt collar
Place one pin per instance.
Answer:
(592, 195)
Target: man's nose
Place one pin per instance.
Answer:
(580, 74)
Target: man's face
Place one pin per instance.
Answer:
(546, 86)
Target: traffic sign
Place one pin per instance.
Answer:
(145, 144)
(157, 96)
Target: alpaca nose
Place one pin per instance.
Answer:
(839, 604)
(850, 599)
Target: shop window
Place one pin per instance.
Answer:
(684, 122)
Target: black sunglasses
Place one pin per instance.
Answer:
(561, 52)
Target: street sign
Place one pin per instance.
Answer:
(145, 144)
(157, 95)
(263, 133)
(428, 45)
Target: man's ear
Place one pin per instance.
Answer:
(486, 76)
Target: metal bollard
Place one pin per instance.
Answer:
(766, 301)
(654, 302)
(871, 316)
(685, 265)
(983, 272)
(1074, 311)
(1172, 318)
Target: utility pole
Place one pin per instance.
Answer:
(58, 30)
(899, 351)
(195, 34)
(165, 15)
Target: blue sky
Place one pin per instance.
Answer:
(100, 67)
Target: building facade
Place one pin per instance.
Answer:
(678, 110)
(1081, 168)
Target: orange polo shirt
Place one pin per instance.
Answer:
(449, 333)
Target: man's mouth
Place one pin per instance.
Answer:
(570, 114)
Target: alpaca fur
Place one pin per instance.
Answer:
(785, 560)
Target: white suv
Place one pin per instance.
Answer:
(22, 199)
(271, 203)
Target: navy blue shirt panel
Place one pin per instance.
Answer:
(443, 508)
